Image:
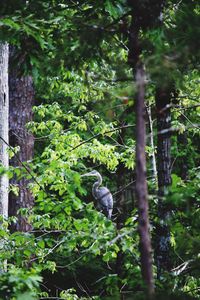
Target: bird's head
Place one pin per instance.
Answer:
(92, 173)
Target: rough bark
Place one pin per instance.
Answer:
(20, 113)
(4, 107)
(163, 96)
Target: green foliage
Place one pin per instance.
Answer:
(18, 283)
(84, 119)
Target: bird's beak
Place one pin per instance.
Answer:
(87, 174)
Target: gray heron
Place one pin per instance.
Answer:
(101, 194)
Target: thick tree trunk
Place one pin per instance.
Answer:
(4, 107)
(164, 178)
(20, 113)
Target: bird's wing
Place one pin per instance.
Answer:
(105, 197)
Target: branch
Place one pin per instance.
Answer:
(177, 107)
(49, 251)
(73, 262)
(169, 130)
(124, 188)
(23, 165)
(193, 125)
(106, 28)
(119, 236)
(187, 97)
(178, 270)
(99, 134)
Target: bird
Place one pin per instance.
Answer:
(101, 194)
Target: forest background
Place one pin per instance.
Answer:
(111, 86)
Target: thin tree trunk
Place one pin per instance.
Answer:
(183, 161)
(141, 183)
(153, 157)
(4, 104)
(20, 113)
(163, 96)
(182, 142)
(120, 204)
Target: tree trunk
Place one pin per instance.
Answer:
(4, 107)
(183, 161)
(121, 215)
(20, 113)
(163, 96)
(141, 183)
(182, 144)
(153, 157)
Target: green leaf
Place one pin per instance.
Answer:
(27, 252)
(41, 244)
(111, 9)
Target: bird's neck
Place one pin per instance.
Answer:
(95, 186)
(95, 189)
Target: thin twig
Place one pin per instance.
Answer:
(50, 251)
(194, 125)
(73, 262)
(99, 134)
(124, 188)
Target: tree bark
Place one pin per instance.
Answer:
(141, 183)
(162, 98)
(4, 107)
(20, 113)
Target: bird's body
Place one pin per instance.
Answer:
(104, 200)
(102, 195)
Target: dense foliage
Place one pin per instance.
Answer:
(84, 119)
